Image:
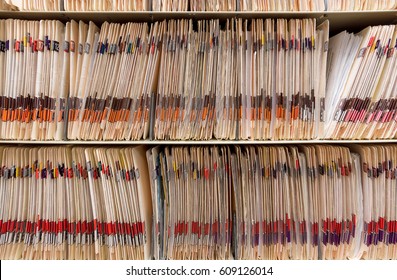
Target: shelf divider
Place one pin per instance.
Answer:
(199, 142)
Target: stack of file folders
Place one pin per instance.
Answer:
(198, 202)
(203, 5)
(184, 80)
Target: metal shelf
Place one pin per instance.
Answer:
(339, 20)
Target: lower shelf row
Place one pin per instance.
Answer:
(199, 202)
